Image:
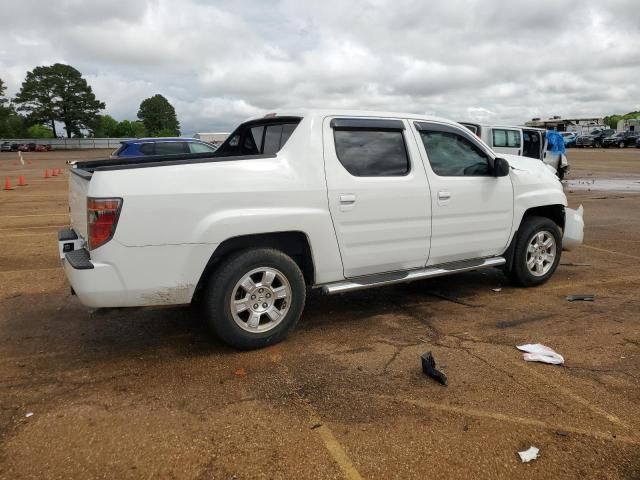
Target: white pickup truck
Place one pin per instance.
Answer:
(336, 200)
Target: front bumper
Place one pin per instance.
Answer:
(573, 235)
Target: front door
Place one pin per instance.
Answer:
(378, 195)
(472, 209)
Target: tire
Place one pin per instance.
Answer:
(520, 272)
(621, 145)
(597, 144)
(277, 287)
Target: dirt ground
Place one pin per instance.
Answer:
(146, 393)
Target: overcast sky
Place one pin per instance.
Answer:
(219, 62)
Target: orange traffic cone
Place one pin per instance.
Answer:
(7, 184)
(53, 172)
(46, 173)
(59, 171)
(21, 182)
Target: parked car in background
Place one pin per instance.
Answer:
(594, 138)
(621, 140)
(569, 139)
(43, 148)
(27, 147)
(162, 146)
(15, 147)
(638, 142)
(5, 147)
(525, 141)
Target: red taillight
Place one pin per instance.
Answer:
(102, 218)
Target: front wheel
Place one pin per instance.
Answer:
(621, 145)
(537, 252)
(597, 144)
(255, 298)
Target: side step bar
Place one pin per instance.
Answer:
(403, 277)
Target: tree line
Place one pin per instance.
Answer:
(58, 94)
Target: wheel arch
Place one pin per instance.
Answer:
(293, 243)
(554, 212)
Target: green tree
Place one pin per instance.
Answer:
(3, 88)
(12, 125)
(159, 117)
(129, 129)
(39, 131)
(59, 93)
(104, 126)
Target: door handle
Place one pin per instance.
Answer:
(444, 195)
(347, 199)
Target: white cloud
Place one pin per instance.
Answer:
(219, 62)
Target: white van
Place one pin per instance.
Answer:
(524, 141)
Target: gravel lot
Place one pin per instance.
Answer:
(146, 393)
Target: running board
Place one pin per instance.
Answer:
(380, 280)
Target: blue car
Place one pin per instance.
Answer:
(162, 146)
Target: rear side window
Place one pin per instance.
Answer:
(506, 138)
(147, 149)
(259, 137)
(372, 153)
(171, 148)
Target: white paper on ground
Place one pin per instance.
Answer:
(536, 352)
(530, 454)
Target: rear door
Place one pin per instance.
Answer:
(506, 140)
(378, 194)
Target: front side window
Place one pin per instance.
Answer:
(372, 153)
(506, 138)
(452, 155)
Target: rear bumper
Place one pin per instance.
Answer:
(115, 275)
(573, 228)
(96, 286)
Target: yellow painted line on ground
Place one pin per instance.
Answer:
(330, 441)
(30, 270)
(35, 215)
(564, 390)
(529, 422)
(41, 234)
(594, 282)
(338, 454)
(23, 195)
(611, 251)
(53, 227)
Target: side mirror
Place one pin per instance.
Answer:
(500, 167)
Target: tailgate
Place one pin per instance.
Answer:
(78, 188)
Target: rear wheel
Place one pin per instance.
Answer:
(597, 144)
(255, 298)
(621, 145)
(537, 252)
